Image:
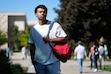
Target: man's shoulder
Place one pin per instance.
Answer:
(82, 46)
(53, 22)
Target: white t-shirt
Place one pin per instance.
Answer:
(43, 52)
(80, 51)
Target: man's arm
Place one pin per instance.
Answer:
(85, 54)
(32, 52)
(55, 40)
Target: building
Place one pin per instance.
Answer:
(8, 21)
(31, 23)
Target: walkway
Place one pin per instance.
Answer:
(71, 67)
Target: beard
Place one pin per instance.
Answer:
(42, 18)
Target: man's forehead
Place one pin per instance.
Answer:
(40, 9)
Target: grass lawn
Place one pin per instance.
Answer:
(108, 68)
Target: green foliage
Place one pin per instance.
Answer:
(24, 68)
(85, 19)
(16, 51)
(72, 43)
(15, 34)
(4, 63)
(6, 67)
(3, 58)
(3, 38)
(16, 69)
(108, 68)
(23, 38)
(15, 42)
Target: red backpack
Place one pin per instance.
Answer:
(62, 51)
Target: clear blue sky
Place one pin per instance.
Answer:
(28, 6)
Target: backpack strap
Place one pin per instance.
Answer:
(51, 25)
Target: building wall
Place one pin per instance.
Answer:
(3, 23)
(8, 21)
(18, 21)
(4, 28)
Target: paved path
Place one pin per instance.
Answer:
(71, 67)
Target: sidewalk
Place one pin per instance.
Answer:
(71, 67)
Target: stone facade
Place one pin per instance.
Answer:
(8, 21)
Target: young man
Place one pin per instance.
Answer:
(80, 52)
(42, 57)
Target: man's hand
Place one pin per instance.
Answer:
(46, 39)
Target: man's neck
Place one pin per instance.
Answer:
(41, 22)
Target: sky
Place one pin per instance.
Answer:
(28, 6)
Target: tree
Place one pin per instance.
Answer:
(85, 19)
(6, 66)
(15, 35)
(23, 38)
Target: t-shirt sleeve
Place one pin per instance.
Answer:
(60, 32)
(75, 50)
(30, 40)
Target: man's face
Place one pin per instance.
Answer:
(41, 14)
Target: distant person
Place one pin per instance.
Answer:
(80, 52)
(91, 64)
(94, 54)
(106, 51)
(23, 52)
(8, 52)
(90, 57)
(101, 56)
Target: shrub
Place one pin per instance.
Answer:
(6, 67)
